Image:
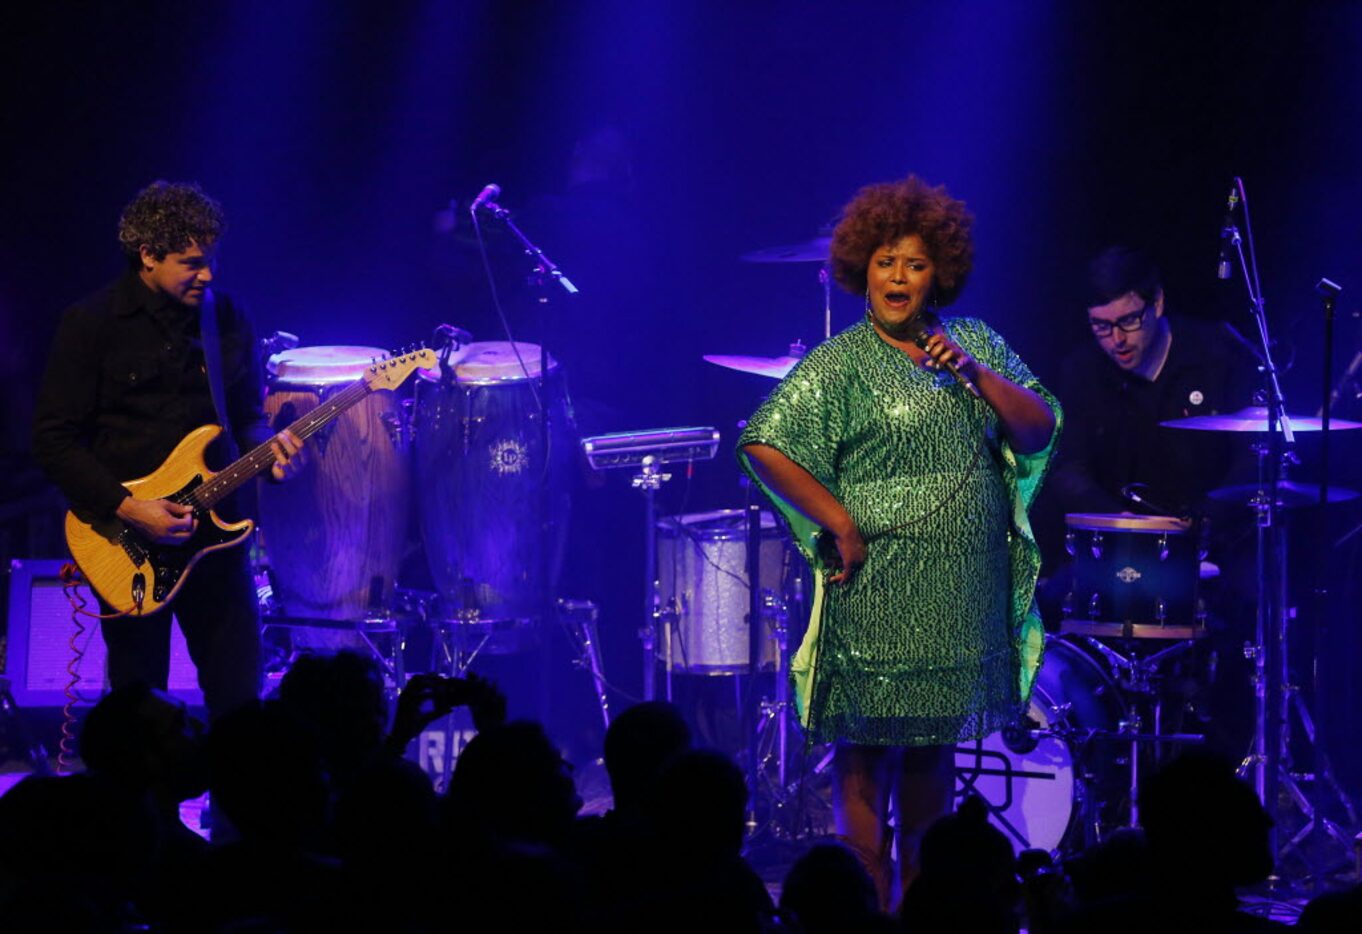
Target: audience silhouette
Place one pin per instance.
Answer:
(336, 830)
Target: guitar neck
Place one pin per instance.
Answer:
(261, 457)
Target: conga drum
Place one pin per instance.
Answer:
(494, 498)
(334, 533)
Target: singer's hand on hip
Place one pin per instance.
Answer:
(851, 553)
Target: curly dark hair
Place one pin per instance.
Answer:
(889, 211)
(167, 217)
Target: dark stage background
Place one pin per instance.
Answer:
(646, 146)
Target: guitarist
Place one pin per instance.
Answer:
(127, 378)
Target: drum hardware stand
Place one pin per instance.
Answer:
(1317, 825)
(1270, 756)
(1139, 679)
(649, 480)
(578, 618)
(648, 451)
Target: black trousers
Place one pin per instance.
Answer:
(219, 615)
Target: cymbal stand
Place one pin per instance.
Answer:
(1317, 825)
(1268, 759)
(825, 280)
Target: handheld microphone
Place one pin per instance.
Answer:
(919, 329)
(485, 196)
(1229, 235)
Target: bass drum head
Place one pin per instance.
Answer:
(1034, 784)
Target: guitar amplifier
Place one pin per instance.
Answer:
(40, 643)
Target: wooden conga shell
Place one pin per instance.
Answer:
(334, 533)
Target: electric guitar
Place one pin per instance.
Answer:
(138, 577)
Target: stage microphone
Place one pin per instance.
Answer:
(485, 196)
(919, 329)
(1228, 234)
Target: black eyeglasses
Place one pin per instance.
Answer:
(1131, 322)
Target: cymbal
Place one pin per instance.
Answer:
(1254, 418)
(774, 367)
(810, 251)
(1289, 494)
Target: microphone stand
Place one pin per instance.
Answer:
(543, 271)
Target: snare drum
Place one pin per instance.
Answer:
(482, 466)
(1133, 574)
(334, 533)
(702, 567)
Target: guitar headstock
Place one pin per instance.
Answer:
(392, 371)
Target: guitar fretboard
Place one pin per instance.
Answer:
(261, 457)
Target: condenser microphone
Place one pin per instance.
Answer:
(919, 329)
(1229, 234)
(486, 196)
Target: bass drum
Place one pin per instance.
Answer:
(1052, 788)
(482, 467)
(334, 533)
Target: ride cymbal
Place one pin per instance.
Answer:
(774, 367)
(810, 251)
(1254, 419)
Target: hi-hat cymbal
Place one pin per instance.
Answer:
(774, 367)
(1289, 494)
(1254, 418)
(810, 251)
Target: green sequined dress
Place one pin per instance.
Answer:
(935, 640)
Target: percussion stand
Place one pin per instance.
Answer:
(648, 481)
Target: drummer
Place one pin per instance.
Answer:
(1148, 366)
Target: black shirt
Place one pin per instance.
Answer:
(125, 382)
(1113, 435)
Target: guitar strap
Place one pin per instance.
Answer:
(212, 359)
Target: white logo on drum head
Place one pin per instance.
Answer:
(1128, 575)
(509, 457)
(1195, 397)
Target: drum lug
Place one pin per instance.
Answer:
(1160, 610)
(1096, 546)
(1163, 547)
(1071, 543)
(1095, 606)
(1066, 608)
(393, 423)
(469, 424)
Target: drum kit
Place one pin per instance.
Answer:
(471, 442)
